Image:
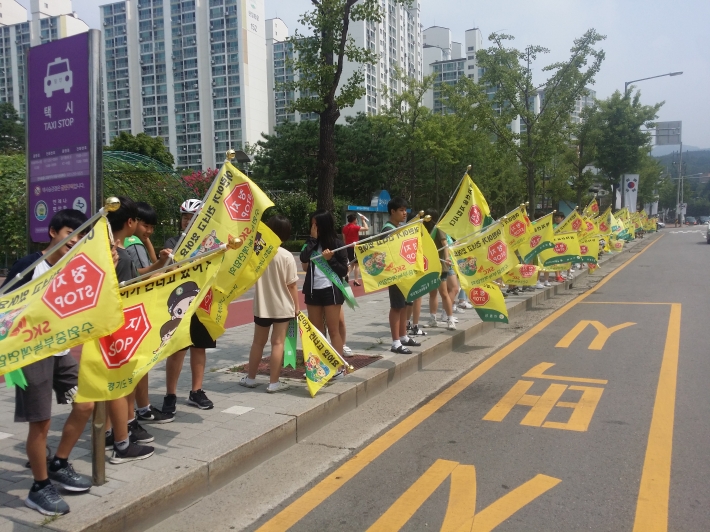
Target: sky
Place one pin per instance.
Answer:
(644, 38)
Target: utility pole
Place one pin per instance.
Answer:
(679, 210)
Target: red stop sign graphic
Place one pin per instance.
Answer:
(497, 252)
(576, 224)
(590, 226)
(426, 264)
(76, 289)
(118, 348)
(527, 270)
(534, 241)
(206, 304)
(475, 216)
(408, 250)
(479, 296)
(560, 248)
(583, 250)
(239, 203)
(517, 228)
(603, 227)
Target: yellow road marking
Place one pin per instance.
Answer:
(652, 505)
(538, 372)
(295, 511)
(603, 333)
(462, 498)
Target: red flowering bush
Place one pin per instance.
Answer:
(199, 181)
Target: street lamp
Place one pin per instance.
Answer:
(627, 83)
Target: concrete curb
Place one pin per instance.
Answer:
(169, 489)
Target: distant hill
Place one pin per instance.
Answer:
(695, 162)
(660, 151)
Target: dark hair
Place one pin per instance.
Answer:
(71, 218)
(146, 213)
(558, 214)
(351, 218)
(281, 226)
(126, 211)
(395, 204)
(434, 218)
(326, 228)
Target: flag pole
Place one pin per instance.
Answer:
(112, 204)
(456, 191)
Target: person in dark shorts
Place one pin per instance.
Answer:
(58, 373)
(201, 340)
(351, 234)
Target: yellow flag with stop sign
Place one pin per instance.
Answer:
(73, 302)
(391, 259)
(589, 249)
(489, 303)
(430, 278)
(482, 258)
(320, 358)
(469, 211)
(522, 275)
(157, 316)
(516, 227)
(573, 223)
(565, 249)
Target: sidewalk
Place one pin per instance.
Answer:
(203, 449)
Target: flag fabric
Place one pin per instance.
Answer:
(469, 212)
(213, 314)
(233, 209)
(430, 278)
(157, 315)
(573, 223)
(616, 245)
(320, 358)
(539, 239)
(631, 187)
(522, 275)
(72, 303)
(483, 258)
(603, 222)
(516, 227)
(291, 344)
(565, 249)
(591, 227)
(589, 249)
(592, 209)
(391, 259)
(489, 303)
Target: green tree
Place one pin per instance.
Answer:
(582, 151)
(320, 58)
(650, 178)
(13, 207)
(621, 140)
(143, 144)
(12, 131)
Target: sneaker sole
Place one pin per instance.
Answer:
(250, 386)
(72, 488)
(193, 403)
(41, 510)
(279, 390)
(115, 460)
(146, 440)
(157, 422)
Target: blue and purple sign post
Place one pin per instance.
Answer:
(61, 130)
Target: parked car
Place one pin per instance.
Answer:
(660, 225)
(703, 220)
(690, 220)
(707, 234)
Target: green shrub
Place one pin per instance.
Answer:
(293, 246)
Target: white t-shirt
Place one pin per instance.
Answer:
(271, 297)
(319, 278)
(39, 270)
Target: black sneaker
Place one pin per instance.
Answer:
(138, 434)
(109, 441)
(47, 501)
(131, 453)
(416, 331)
(169, 404)
(199, 399)
(154, 416)
(69, 479)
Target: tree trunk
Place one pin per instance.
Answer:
(620, 184)
(326, 158)
(531, 187)
(436, 186)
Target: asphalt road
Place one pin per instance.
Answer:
(594, 419)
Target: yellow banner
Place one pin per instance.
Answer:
(157, 316)
(591, 228)
(482, 258)
(616, 245)
(565, 249)
(522, 275)
(623, 214)
(572, 224)
(592, 209)
(430, 278)
(392, 259)
(468, 213)
(603, 222)
(589, 249)
(489, 303)
(319, 357)
(516, 228)
(539, 239)
(233, 209)
(214, 309)
(72, 303)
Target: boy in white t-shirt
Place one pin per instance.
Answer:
(275, 305)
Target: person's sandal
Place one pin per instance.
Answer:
(402, 350)
(356, 283)
(411, 343)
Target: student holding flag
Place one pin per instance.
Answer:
(441, 242)
(323, 298)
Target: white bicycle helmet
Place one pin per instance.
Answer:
(190, 206)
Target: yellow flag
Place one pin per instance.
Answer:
(468, 213)
(564, 250)
(214, 309)
(573, 223)
(430, 278)
(539, 239)
(592, 209)
(73, 302)
(489, 303)
(623, 214)
(617, 245)
(516, 228)
(603, 222)
(319, 357)
(392, 258)
(483, 258)
(233, 209)
(591, 227)
(589, 249)
(157, 316)
(522, 275)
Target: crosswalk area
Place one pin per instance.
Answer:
(702, 231)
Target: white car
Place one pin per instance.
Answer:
(59, 77)
(707, 234)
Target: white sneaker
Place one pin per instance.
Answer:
(539, 285)
(547, 283)
(451, 324)
(570, 276)
(465, 304)
(347, 351)
(277, 387)
(431, 324)
(458, 310)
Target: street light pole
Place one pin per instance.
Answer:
(627, 83)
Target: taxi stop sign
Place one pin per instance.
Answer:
(408, 251)
(76, 289)
(118, 348)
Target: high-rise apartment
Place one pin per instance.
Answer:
(191, 72)
(51, 20)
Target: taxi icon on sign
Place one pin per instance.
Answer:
(59, 77)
